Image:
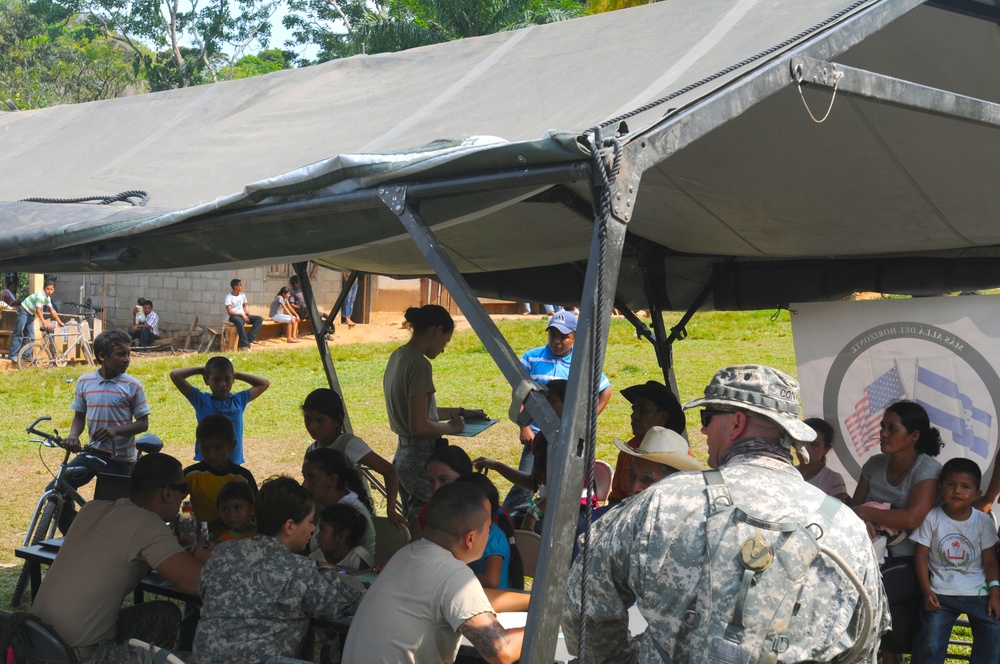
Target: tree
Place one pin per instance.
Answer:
(349, 27)
(265, 62)
(191, 39)
(49, 54)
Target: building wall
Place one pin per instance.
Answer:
(177, 296)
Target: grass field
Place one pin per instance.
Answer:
(274, 434)
(464, 375)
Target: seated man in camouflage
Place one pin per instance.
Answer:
(257, 595)
(735, 563)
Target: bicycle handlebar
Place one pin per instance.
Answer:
(49, 439)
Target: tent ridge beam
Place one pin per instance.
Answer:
(809, 72)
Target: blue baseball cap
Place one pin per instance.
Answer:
(564, 321)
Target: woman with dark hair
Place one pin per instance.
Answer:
(409, 401)
(257, 595)
(500, 566)
(445, 465)
(814, 469)
(331, 479)
(282, 312)
(902, 484)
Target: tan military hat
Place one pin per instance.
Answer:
(664, 446)
(761, 390)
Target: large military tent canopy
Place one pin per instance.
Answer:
(733, 171)
(722, 187)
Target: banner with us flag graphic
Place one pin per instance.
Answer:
(856, 358)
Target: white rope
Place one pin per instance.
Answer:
(837, 75)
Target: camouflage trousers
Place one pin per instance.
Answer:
(153, 622)
(411, 466)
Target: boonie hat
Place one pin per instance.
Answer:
(564, 321)
(664, 446)
(664, 399)
(761, 390)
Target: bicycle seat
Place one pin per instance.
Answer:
(148, 443)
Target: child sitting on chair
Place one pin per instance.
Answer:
(341, 529)
(323, 412)
(235, 505)
(216, 438)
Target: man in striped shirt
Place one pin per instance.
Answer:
(114, 409)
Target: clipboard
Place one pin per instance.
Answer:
(475, 427)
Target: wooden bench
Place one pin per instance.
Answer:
(270, 330)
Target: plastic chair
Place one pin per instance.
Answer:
(31, 640)
(528, 544)
(388, 538)
(603, 473)
(140, 652)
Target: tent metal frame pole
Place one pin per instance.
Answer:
(301, 269)
(329, 368)
(567, 454)
(395, 198)
(891, 91)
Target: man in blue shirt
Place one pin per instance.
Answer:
(544, 364)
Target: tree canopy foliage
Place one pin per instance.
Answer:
(50, 55)
(69, 51)
(349, 27)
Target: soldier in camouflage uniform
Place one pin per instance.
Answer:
(668, 548)
(258, 596)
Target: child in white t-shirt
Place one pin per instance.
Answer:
(956, 564)
(341, 528)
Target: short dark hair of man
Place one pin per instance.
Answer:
(219, 363)
(235, 490)
(456, 509)
(106, 342)
(235, 282)
(281, 498)
(149, 302)
(215, 427)
(961, 465)
(152, 472)
(49, 282)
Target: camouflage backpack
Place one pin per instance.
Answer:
(753, 597)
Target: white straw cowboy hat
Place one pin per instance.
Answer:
(664, 446)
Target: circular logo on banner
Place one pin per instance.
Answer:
(954, 383)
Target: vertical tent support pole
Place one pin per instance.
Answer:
(394, 197)
(324, 351)
(567, 455)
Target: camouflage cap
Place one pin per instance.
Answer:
(761, 390)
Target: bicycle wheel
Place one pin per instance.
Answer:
(42, 531)
(36, 355)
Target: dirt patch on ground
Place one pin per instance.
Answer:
(384, 327)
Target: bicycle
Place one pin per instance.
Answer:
(44, 354)
(45, 520)
(86, 310)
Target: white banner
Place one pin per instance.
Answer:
(856, 358)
